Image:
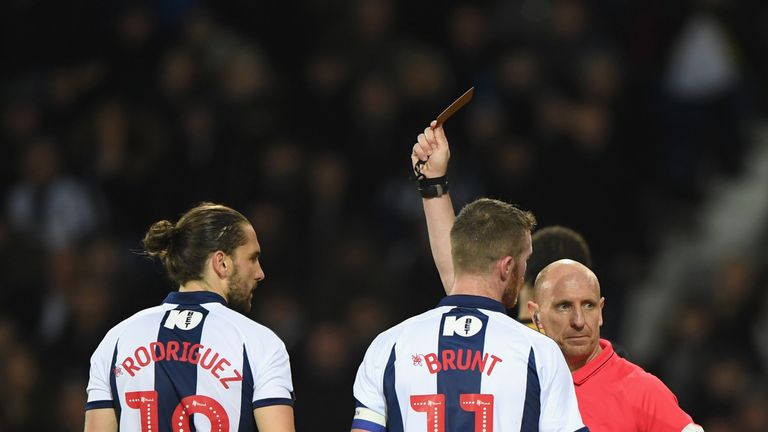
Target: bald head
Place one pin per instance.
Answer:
(565, 273)
(568, 307)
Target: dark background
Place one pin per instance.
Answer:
(639, 124)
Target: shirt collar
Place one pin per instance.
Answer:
(194, 297)
(580, 376)
(472, 301)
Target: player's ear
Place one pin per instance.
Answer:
(506, 267)
(219, 264)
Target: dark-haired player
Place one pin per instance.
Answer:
(195, 362)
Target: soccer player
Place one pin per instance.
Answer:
(614, 394)
(195, 362)
(466, 365)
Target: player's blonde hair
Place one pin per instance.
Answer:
(485, 231)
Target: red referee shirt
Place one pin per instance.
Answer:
(616, 395)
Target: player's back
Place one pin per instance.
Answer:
(465, 366)
(190, 355)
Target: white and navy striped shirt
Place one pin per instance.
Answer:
(464, 366)
(189, 364)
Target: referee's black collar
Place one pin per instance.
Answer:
(472, 301)
(194, 297)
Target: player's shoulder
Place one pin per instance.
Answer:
(398, 330)
(526, 341)
(538, 339)
(504, 320)
(226, 315)
(234, 322)
(388, 338)
(535, 339)
(544, 348)
(145, 318)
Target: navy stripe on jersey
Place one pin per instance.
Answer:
(394, 417)
(532, 407)
(368, 426)
(175, 380)
(453, 382)
(271, 401)
(474, 302)
(99, 404)
(193, 298)
(247, 421)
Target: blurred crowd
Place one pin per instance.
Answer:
(607, 116)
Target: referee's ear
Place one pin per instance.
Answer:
(533, 310)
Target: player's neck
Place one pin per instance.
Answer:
(476, 285)
(202, 285)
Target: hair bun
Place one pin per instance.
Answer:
(158, 238)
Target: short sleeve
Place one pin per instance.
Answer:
(657, 406)
(370, 413)
(272, 379)
(559, 406)
(99, 389)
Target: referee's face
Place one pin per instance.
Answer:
(246, 274)
(571, 313)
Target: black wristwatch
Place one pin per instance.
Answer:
(433, 187)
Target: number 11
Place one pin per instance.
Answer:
(434, 406)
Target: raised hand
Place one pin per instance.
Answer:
(432, 148)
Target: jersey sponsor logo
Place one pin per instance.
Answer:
(195, 354)
(183, 319)
(465, 326)
(461, 359)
